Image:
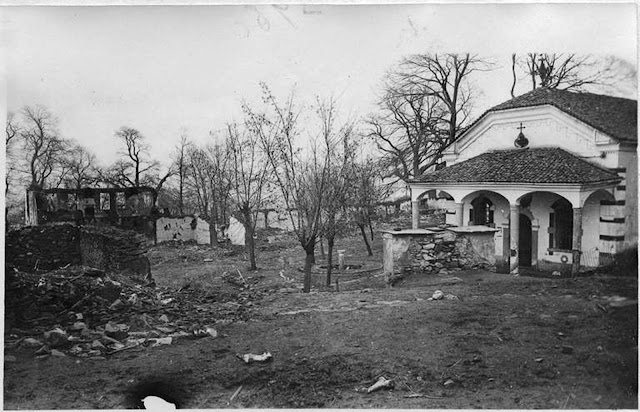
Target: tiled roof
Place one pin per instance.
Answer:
(614, 116)
(531, 165)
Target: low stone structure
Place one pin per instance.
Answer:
(432, 251)
(51, 246)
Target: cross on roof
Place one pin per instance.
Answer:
(521, 127)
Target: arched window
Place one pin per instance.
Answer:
(481, 212)
(561, 225)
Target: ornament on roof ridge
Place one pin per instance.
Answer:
(521, 141)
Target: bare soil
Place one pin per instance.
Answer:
(506, 342)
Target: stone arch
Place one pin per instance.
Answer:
(495, 210)
(542, 207)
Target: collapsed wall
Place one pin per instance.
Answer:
(51, 246)
(44, 247)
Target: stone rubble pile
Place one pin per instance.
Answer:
(82, 312)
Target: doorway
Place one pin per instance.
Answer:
(524, 241)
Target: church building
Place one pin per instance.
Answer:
(555, 172)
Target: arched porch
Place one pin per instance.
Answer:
(539, 225)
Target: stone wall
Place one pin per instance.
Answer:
(428, 252)
(44, 247)
(51, 246)
(111, 249)
(187, 228)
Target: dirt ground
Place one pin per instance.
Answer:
(504, 342)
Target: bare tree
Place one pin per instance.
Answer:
(42, 147)
(136, 163)
(247, 176)
(446, 78)
(365, 192)
(181, 166)
(207, 182)
(301, 180)
(79, 167)
(12, 131)
(426, 101)
(570, 71)
(410, 132)
(340, 151)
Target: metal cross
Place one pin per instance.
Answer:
(521, 127)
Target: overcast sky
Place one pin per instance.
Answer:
(161, 69)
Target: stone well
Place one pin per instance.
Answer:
(437, 251)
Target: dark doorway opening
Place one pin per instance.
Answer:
(524, 241)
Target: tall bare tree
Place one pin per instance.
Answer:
(79, 167)
(12, 130)
(300, 179)
(571, 71)
(41, 145)
(248, 174)
(136, 162)
(425, 103)
(365, 191)
(339, 148)
(181, 167)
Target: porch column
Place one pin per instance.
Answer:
(577, 240)
(514, 236)
(459, 214)
(415, 214)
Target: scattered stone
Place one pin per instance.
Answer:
(44, 350)
(56, 338)
(381, 383)
(31, 343)
(437, 295)
(567, 349)
(251, 358)
(78, 326)
(556, 273)
(162, 341)
(449, 296)
(539, 360)
(116, 305)
(164, 318)
(96, 344)
(55, 352)
(448, 382)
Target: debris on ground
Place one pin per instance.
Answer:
(448, 382)
(251, 358)
(381, 383)
(437, 295)
(84, 312)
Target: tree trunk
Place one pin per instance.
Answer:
(366, 240)
(321, 248)
(213, 232)
(330, 242)
(250, 245)
(309, 261)
(248, 237)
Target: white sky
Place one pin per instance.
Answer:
(163, 68)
